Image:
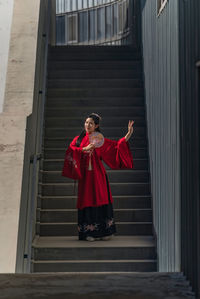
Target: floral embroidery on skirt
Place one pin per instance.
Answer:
(96, 222)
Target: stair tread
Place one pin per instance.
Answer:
(97, 98)
(72, 242)
(74, 223)
(92, 88)
(64, 149)
(94, 79)
(92, 261)
(102, 127)
(73, 196)
(98, 107)
(113, 61)
(69, 184)
(64, 138)
(94, 47)
(72, 137)
(74, 210)
(108, 171)
(51, 160)
(81, 117)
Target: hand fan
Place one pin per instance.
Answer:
(97, 139)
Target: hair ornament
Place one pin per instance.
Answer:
(95, 114)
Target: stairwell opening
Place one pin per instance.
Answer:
(107, 80)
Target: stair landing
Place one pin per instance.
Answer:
(95, 286)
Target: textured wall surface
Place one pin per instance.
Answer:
(161, 69)
(17, 106)
(6, 9)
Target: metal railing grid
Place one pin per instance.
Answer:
(108, 23)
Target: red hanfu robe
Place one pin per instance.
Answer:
(93, 190)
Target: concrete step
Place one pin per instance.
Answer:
(94, 266)
(70, 229)
(94, 56)
(98, 74)
(70, 248)
(65, 57)
(113, 175)
(119, 202)
(59, 142)
(59, 153)
(124, 49)
(96, 92)
(104, 111)
(94, 49)
(113, 285)
(97, 101)
(62, 189)
(107, 121)
(97, 64)
(70, 215)
(108, 131)
(57, 164)
(94, 83)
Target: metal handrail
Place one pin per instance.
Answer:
(39, 138)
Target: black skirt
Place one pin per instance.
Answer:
(96, 222)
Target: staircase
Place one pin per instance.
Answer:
(108, 81)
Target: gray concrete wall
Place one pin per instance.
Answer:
(6, 10)
(17, 106)
(161, 69)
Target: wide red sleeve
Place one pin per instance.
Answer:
(117, 154)
(72, 163)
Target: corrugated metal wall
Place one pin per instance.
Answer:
(161, 69)
(190, 139)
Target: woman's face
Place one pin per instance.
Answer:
(90, 125)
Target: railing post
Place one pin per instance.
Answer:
(31, 210)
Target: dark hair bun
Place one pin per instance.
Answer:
(95, 115)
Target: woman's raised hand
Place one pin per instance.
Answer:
(130, 129)
(130, 126)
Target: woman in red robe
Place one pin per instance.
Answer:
(83, 162)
